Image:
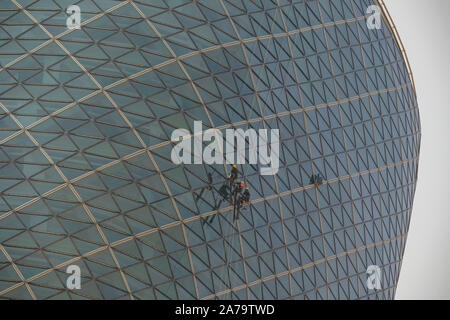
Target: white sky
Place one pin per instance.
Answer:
(424, 27)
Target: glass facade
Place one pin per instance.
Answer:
(86, 176)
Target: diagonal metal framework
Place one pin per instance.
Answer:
(140, 152)
(168, 62)
(114, 91)
(205, 215)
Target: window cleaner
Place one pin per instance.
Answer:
(245, 197)
(233, 175)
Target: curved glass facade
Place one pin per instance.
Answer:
(87, 180)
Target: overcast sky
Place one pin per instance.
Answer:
(424, 27)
